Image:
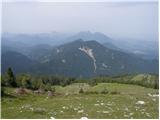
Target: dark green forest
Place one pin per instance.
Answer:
(35, 82)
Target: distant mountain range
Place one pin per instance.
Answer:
(79, 58)
(147, 49)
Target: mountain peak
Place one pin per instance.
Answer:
(92, 41)
(87, 35)
(79, 40)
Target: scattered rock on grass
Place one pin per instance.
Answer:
(126, 116)
(39, 110)
(39, 91)
(148, 115)
(140, 102)
(126, 109)
(20, 91)
(155, 95)
(96, 104)
(50, 94)
(105, 111)
(75, 109)
(84, 118)
(80, 111)
(102, 103)
(52, 117)
(61, 111)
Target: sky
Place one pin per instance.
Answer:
(126, 19)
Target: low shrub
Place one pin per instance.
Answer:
(81, 90)
(104, 91)
(2, 91)
(91, 92)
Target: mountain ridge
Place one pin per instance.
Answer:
(87, 59)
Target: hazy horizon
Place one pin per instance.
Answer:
(136, 20)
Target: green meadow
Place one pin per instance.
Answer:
(104, 100)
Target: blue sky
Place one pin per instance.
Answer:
(131, 19)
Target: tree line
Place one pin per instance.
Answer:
(147, 80)
(34, 82)
(45, 82)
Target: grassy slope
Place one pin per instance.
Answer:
(146, 80)
(121, 105)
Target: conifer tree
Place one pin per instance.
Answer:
(10, 79)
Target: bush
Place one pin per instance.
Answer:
(92, 82)
(2, 91)
(53, 89)
(8, 79)
(48, 87)
(104, 91)
(114, 92)
(81, 90)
